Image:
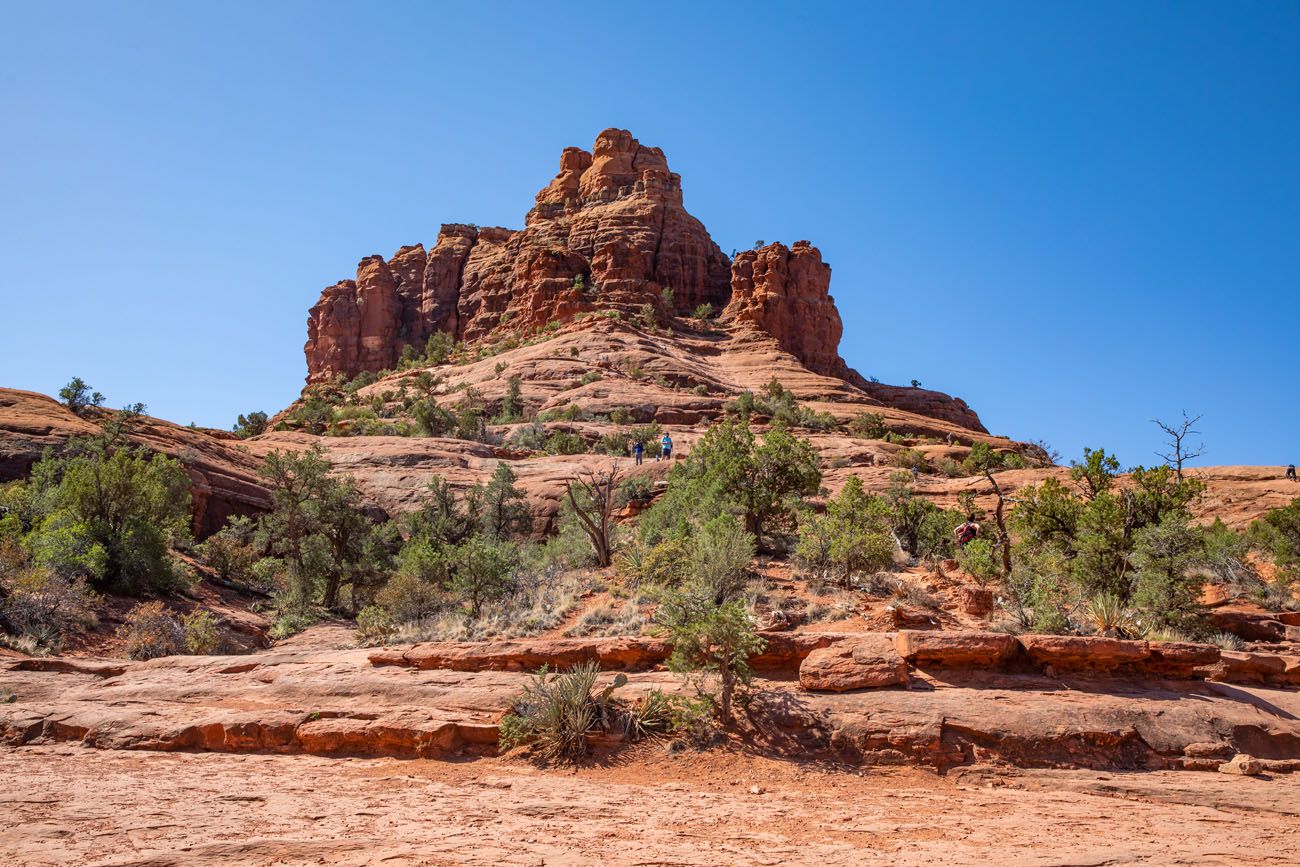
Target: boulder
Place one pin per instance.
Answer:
(1243, 765)
(1239, 666)
(859, 663)
(975, 601)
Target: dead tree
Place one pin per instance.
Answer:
(1004, 538)
(593, 500)
(1179, 453)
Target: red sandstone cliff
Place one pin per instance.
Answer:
(609, 232)
(785, 291)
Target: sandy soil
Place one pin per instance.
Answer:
(71, 805)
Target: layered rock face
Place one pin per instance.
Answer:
(785, 291)
(608, 232)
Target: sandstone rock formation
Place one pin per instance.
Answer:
(609, 232)
(785, 292)
(223, 475)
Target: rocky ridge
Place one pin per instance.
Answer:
(608, 233)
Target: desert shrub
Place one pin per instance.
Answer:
(1226, 641)
(979, 557)
(663, 564)
(438, 348)
(289, 623)
(530, 436)
(868, 425)
(44, 605)
(614, 444)
(419, 589)
(1107, 614)
(374, 626)
(572, 412)
(810, 419)
(484, 570)
(151, 631)
(720, 554)
(1166, 591)
(231, 552)
(432, 420)
(851, 538)
(703, 312)
(591, 376)
(77, 395)
(512, 405)
(320, 542)
(911, 459)
(314, 415)
(109, 513)
(200, 631)
(565, 443)
(636, 489)
(1136, 544)
(608, 620)
(914, 594)
(1277, 535)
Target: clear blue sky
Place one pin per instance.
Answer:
(1074, 215)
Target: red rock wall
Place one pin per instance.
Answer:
(785, 291)
(613, 217)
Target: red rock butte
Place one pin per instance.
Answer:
(609, 232)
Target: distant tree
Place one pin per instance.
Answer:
(984, 460)
(250, 425)
(505, 510)
(439, 347)
(77, 395)
(1179, 452)
(916, 383)
(512, 406)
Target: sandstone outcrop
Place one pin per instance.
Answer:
(609, 232)
(223, 475)
(785, 292)
(339, 703)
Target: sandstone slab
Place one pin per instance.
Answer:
(991, 650)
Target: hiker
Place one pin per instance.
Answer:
(638, 451)
(966, 532)
(1290, 472)
(666, 447)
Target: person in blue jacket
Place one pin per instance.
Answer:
(638, 451)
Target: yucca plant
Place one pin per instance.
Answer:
(1107, 615)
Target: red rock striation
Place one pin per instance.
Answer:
(609, 232)
(785, 292)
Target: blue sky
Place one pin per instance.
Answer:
(1076, 216)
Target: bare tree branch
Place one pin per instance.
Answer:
(1179, 452)
(593, 501)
